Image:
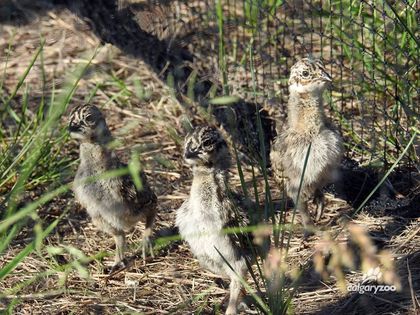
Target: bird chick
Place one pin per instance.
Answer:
(210, 208)
(306, 128)
(114, 204)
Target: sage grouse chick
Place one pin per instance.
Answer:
(114, 204)
(209, 209)
(307, 127)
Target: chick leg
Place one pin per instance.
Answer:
(307, 222)
(319, 202)
(235, 289)
(301, 205)
(146, 243)
(120, 245)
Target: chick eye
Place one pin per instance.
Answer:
(89, 119)
(305, 73)
(207, 143)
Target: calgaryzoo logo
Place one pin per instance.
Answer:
(369, 283)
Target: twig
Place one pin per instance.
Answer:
(409, 238)
(388, 301)
(410, 283)
(35, 296)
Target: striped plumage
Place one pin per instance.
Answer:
(307, 71)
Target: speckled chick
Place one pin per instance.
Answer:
(209, 209)
(306, 128)
(114, 204)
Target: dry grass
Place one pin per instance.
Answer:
(172, 282)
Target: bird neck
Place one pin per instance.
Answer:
(94, 153)
(200, 170)
(305, 111)
(104, 137)
(203, 175)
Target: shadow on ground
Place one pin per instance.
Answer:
(170, 59)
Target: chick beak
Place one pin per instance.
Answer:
(191, 154)
(74, 128)
(325, 76)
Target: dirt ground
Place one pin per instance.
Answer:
(172, 282)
